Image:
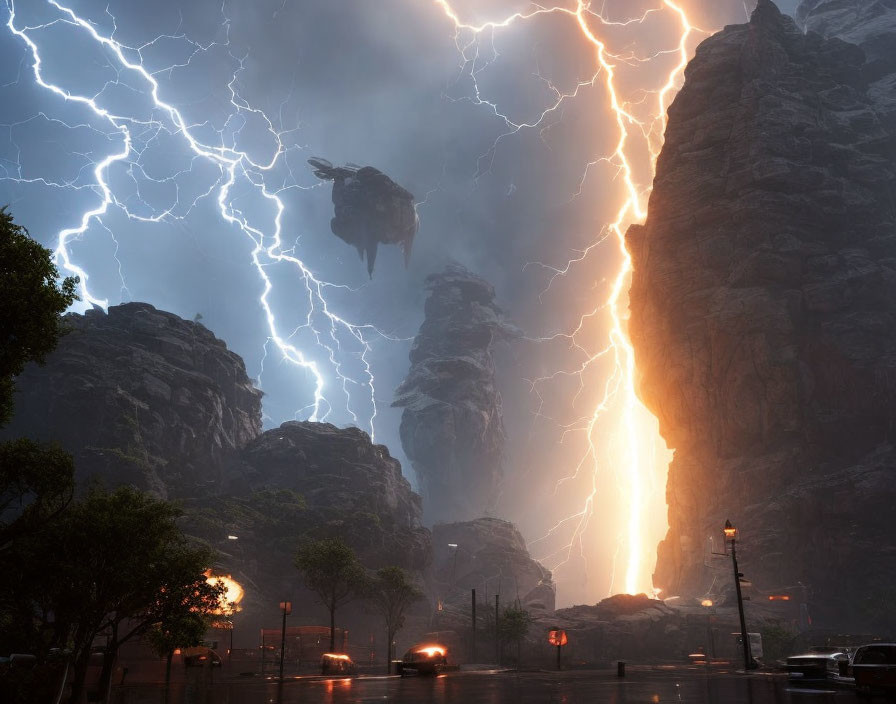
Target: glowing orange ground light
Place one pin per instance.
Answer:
(634, 461)
(233, 591)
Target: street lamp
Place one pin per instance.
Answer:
(286, 608)
(731, 535)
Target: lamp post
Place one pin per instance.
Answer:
(731, 535)
(286, 608)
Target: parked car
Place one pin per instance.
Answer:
(423, 660)
(200, 656)
(874, 668)
(821, 663)
(336, 664)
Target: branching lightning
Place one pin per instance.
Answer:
(338, 342)
(618, 413)
(338, 338)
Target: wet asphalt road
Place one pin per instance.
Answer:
(648, 687)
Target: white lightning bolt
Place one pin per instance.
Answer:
(338, 338)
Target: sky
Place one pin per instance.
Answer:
(387, 83)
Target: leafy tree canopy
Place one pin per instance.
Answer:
(332, 571)
(114, 563)
(31, 302)
(36, 485)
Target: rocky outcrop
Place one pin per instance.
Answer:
(141, 397)
(763, 306)
(451, 427)
(308, 481)
(490, 556)
(350, 488)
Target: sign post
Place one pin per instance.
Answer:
(558, 638)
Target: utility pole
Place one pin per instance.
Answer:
(473, 646)
(286, 607)
(731, 534)
(497, 630)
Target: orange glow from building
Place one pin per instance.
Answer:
(779, 597)
(233, 591)
(336, 656)
(706, 602)
(431, 650)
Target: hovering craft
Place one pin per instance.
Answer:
(370, 209)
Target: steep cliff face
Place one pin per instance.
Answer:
(140, 396)
(764, 305)
(451, 428)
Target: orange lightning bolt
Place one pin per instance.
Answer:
(636, 430)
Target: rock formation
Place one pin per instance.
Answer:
(308, 481)
(764, 303)
(142, 397)
(490, 556)
(451, 427)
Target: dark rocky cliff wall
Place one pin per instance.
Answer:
(141, 397)
(764, 307)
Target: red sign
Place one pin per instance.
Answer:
(557, 638)
(286, 607)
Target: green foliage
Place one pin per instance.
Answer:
(113, 563)
(331, 570)
(392, 592)
(182, 631)
(36, 485)
(31, 303)
(514, 624)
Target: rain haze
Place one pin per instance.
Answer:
(504, 137)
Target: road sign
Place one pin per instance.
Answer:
(557, 638)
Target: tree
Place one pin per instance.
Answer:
(514, 626)
(392, 593)
(331, 570)
(184, 630)
(36, 485)
(114, 564)
(31, 303)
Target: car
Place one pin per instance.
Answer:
(820, 664)
(874, 668)
(336, 664)
(423, 660)
(200, 656)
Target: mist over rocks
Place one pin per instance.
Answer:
(763, 305)
(491, 556)
(451, 427)
(140, 396)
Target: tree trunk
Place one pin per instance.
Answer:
(109, 659)
(388, 652)
(168, 668)
(80, 667)
(332, 629)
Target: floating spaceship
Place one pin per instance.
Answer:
(371, 209)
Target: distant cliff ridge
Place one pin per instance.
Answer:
(140, 396)
(451, 427)
(763, 302)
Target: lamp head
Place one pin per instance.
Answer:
(730, 531)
